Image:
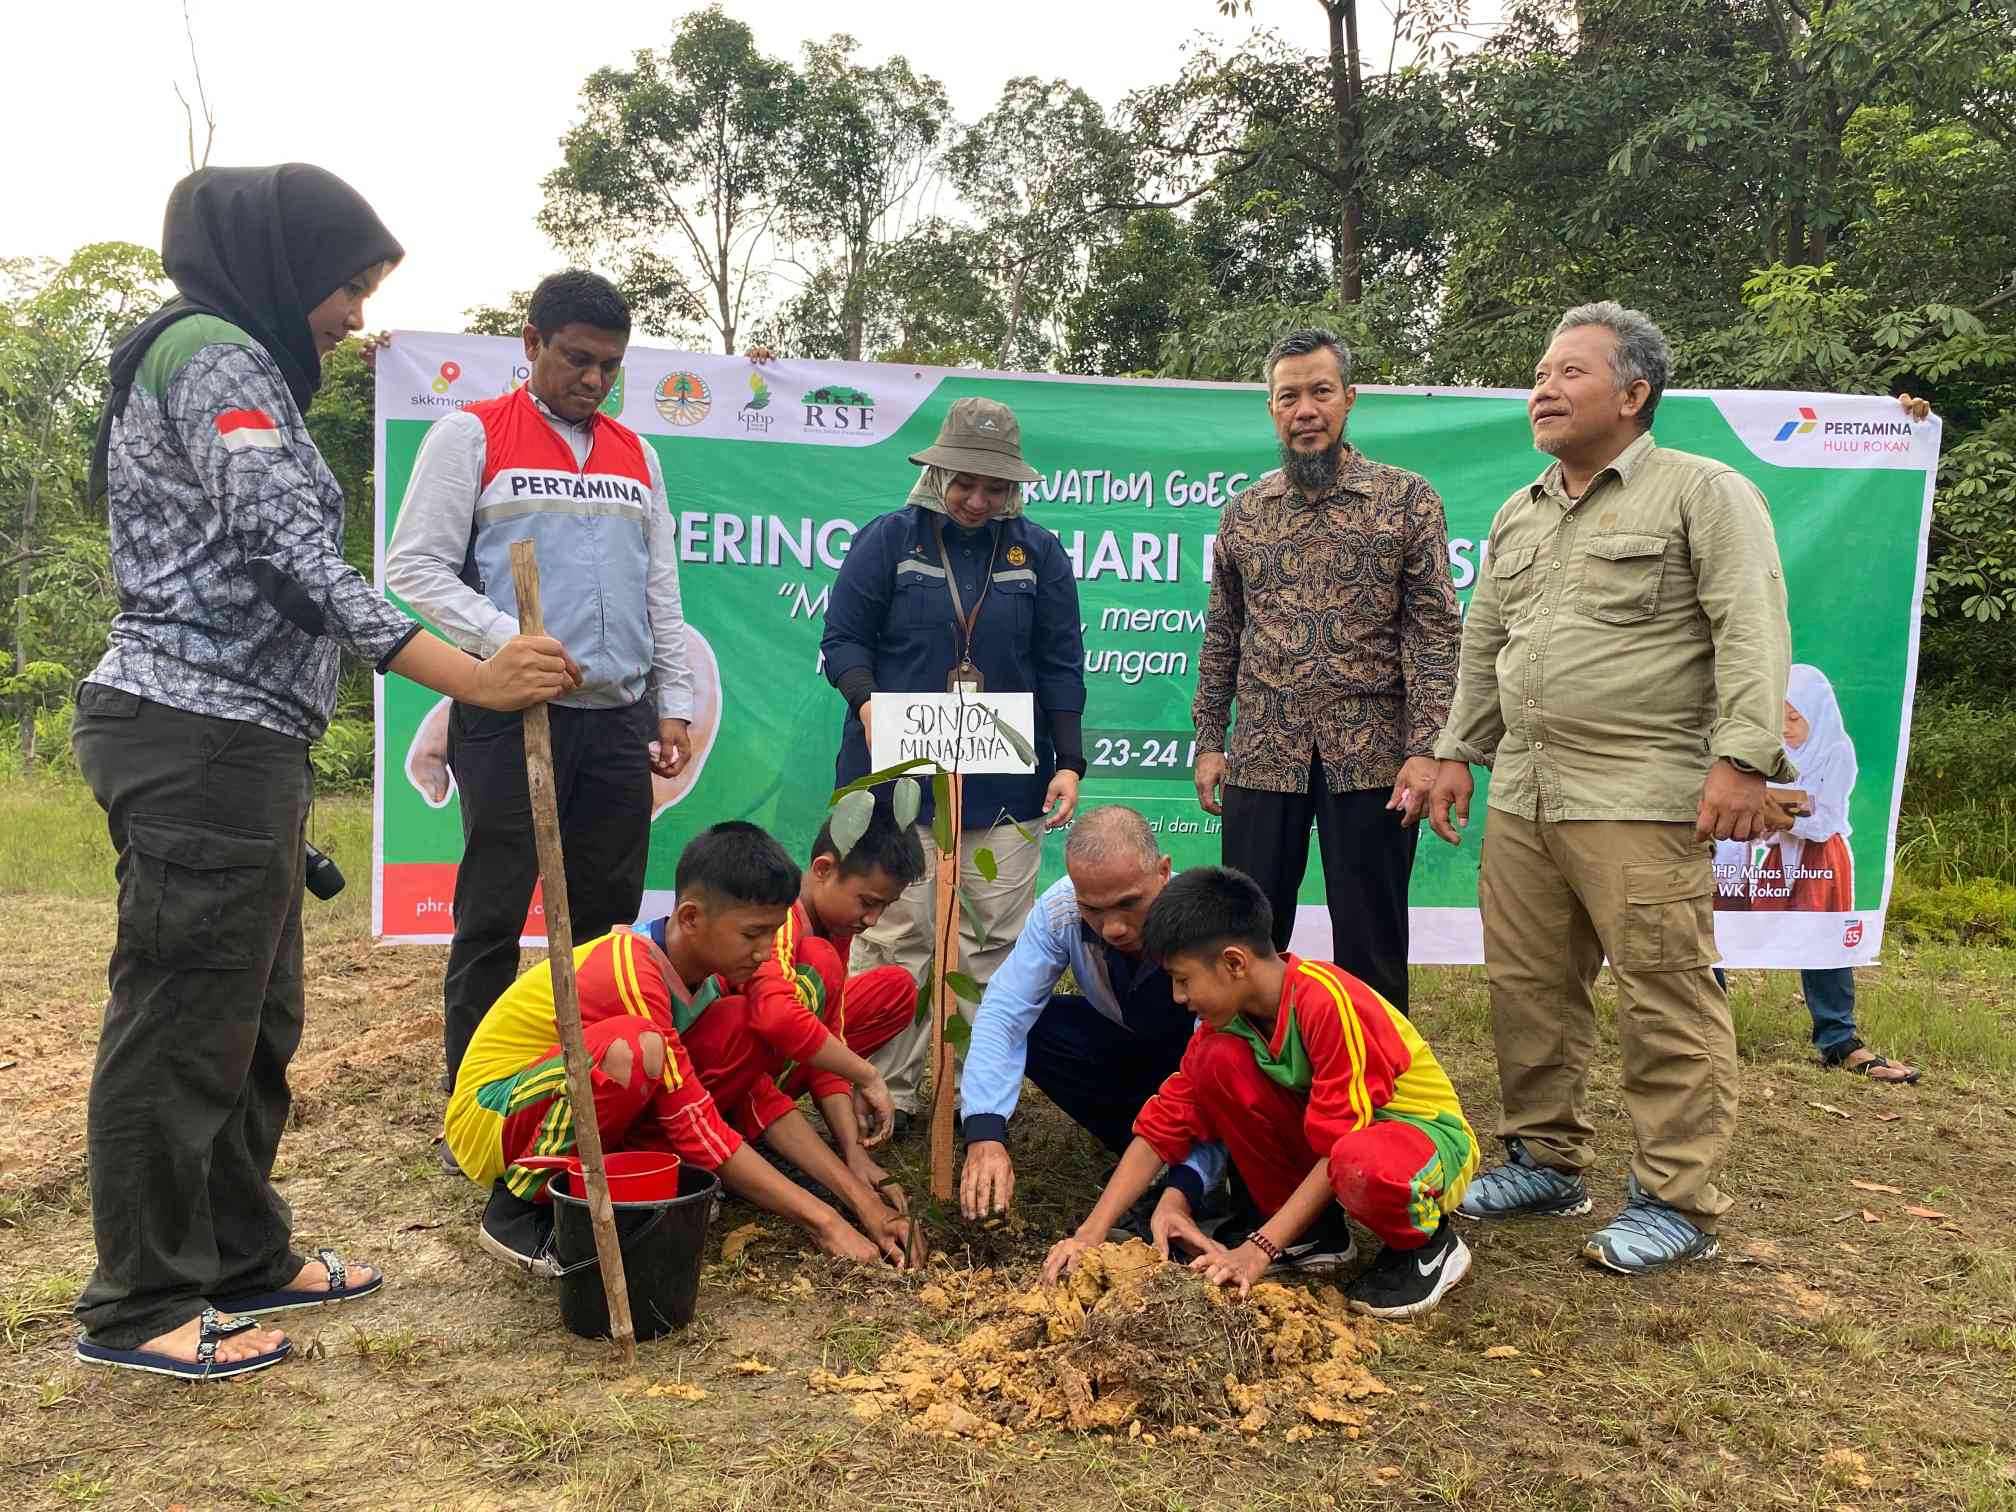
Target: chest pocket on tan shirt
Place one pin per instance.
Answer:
(1620, 577)
(1510, 576)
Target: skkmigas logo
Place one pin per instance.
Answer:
(445, 380)
(683, 398)
(838, 408)
(1799, 427)
(612, 404)
(754, 414)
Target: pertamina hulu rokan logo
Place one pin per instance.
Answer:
(1799, 427)
(1848, 437)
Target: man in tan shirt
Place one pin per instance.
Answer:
(1623, 676)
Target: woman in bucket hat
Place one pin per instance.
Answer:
(957, 587)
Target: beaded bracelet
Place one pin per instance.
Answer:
(1263, 1244)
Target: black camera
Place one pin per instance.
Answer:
(325, 878)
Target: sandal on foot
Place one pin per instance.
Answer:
(204, 1367)
(1838, 1061)
(292, 1299)
(1863, 1068)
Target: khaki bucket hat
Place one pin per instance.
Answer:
(979, 436)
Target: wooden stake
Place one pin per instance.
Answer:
(560, 958)
(944, 1002)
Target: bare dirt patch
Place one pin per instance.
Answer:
(1813, 1355)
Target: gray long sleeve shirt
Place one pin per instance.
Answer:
(430, 545)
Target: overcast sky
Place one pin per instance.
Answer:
(447, 116)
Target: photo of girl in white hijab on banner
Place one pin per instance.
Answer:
(1808, 868)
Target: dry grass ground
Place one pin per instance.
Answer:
(1842, 1352)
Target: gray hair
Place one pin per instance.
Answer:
(1109, 833)
(1642, 351)
(1301, 343)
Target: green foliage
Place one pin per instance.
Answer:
(1040, 171)
(849, 819)
(1962, 747)
(344, 756)
(674, 170)
(1977, 911)
(1139, 287)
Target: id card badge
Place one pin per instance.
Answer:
(965, 678)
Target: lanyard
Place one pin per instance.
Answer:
(965, 671)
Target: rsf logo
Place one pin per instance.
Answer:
(839, 408)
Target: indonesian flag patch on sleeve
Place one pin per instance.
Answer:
(245, 429)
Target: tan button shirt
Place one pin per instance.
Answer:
(1333, 622)
(1616, 645)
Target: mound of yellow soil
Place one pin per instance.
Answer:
(1127, 1343)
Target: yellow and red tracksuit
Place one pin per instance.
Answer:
(510, 1096)
(1342, 1076)
(750, 1044)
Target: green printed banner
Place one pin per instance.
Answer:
(771, 470)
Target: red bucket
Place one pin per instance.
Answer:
(634, 1175)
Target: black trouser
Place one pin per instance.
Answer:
(1367, 860)
(1098, 1073)
(189, 1095)
(602, 780)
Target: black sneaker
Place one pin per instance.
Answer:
(1328, 1245)
(517, 1231)
(1404, 1283)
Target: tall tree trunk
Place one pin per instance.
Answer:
(1347, 131)
(1014, 313)
(24, 702)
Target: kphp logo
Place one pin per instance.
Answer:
(450, 371)
(838, 409)
(752, 415)
(1806, 421)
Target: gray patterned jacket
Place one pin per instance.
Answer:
(227, 543)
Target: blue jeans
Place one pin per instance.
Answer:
(1830, 998)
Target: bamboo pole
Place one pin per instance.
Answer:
(944, 1002)
(560, 958)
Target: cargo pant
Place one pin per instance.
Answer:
(902, 937)
(189, 1093)
(1557, 898)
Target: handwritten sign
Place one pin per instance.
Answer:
(956, 730)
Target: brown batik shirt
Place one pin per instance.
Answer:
(1333, 623)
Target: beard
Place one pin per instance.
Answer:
(1313, 474)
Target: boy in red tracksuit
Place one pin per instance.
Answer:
(735, 886)
(755, 1046)
(1323, 1094)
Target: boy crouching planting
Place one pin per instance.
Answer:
(735, 888)
(1321, 1093)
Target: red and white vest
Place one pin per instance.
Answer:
(589, 523)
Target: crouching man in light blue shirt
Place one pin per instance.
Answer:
(1099, 1054)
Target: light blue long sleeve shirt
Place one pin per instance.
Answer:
(990, 1082)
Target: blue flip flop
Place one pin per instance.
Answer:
(203, 1368)
(290, 1301)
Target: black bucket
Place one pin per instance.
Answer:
(661, 1244)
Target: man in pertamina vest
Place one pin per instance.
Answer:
(544, 463)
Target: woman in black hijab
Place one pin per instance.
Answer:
(193, 731)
